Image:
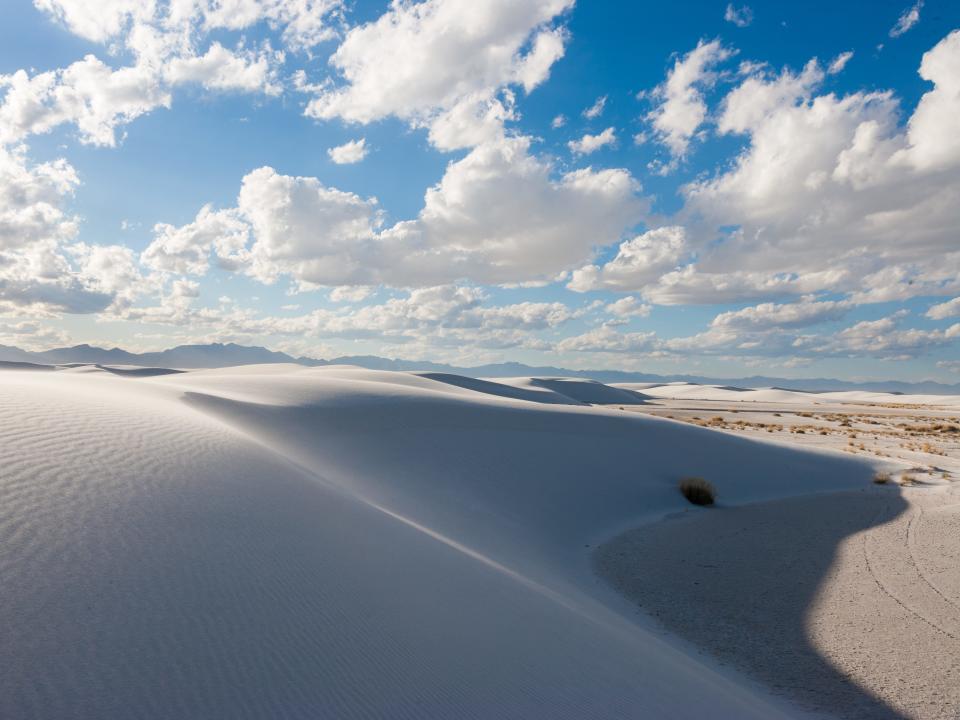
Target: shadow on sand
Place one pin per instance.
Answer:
(740, 582)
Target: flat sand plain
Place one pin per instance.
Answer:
(847, 603)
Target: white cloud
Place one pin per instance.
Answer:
(778, 316)
(639, 262)
(223, 69)
(322, 236)
(543, 225)
(831, 194)
(352, 294)
(606, 339)
(31, 334)
(40, 270)
(628, 306)
(596, 110)
(880, 338)
(167, 39)
(681, 108)
(422, 60)
(186, 249)
(932, 141)
(30, 199)
(97, 20)
(350, 152)
(424, 320)
(558, 122)
(948, 309)
(305, 23)
(474, 120)
(591, 143)
(741, 17)
(317, 234)
(908, 18)
(839, 62)
(88, 93)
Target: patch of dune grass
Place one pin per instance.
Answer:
(698, 491)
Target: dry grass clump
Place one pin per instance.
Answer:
(881, 478)
(698, 491)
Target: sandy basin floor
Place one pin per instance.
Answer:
(847, 603)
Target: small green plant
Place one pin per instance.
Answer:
(698, 491)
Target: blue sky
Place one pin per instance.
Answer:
(691, 187)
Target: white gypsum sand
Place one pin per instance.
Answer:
(279, 541)
(848, 603)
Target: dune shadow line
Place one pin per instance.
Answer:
(740, 583)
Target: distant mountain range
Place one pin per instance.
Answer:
(225, 355)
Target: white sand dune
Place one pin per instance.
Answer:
(719, 393)
(278, 541)
(588, 392)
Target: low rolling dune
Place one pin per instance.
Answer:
(279, 541)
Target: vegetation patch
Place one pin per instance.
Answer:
(698, 491)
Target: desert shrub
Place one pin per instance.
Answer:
(698, 491)
(881, 478)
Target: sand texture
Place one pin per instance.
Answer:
(279, 541)
(847, 603)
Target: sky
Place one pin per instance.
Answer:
(699, 187)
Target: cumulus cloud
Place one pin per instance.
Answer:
(351, 294)
(318, 235)
(883, 338)
(739, 16)
(607, 339)
(350, 152)
(830, 194)
(31, 198)
(627, 307)
(421, 61)
(558, 121)
(42, 269)
(681, 108)
(908, 18)
(639, 262)
(304, 23)
(31, 334)
(791, 315)
(949, 309)
(96, 20)
(591, 143)
(88, 93)
(223, 69)
(167, 40)
(185, 250)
